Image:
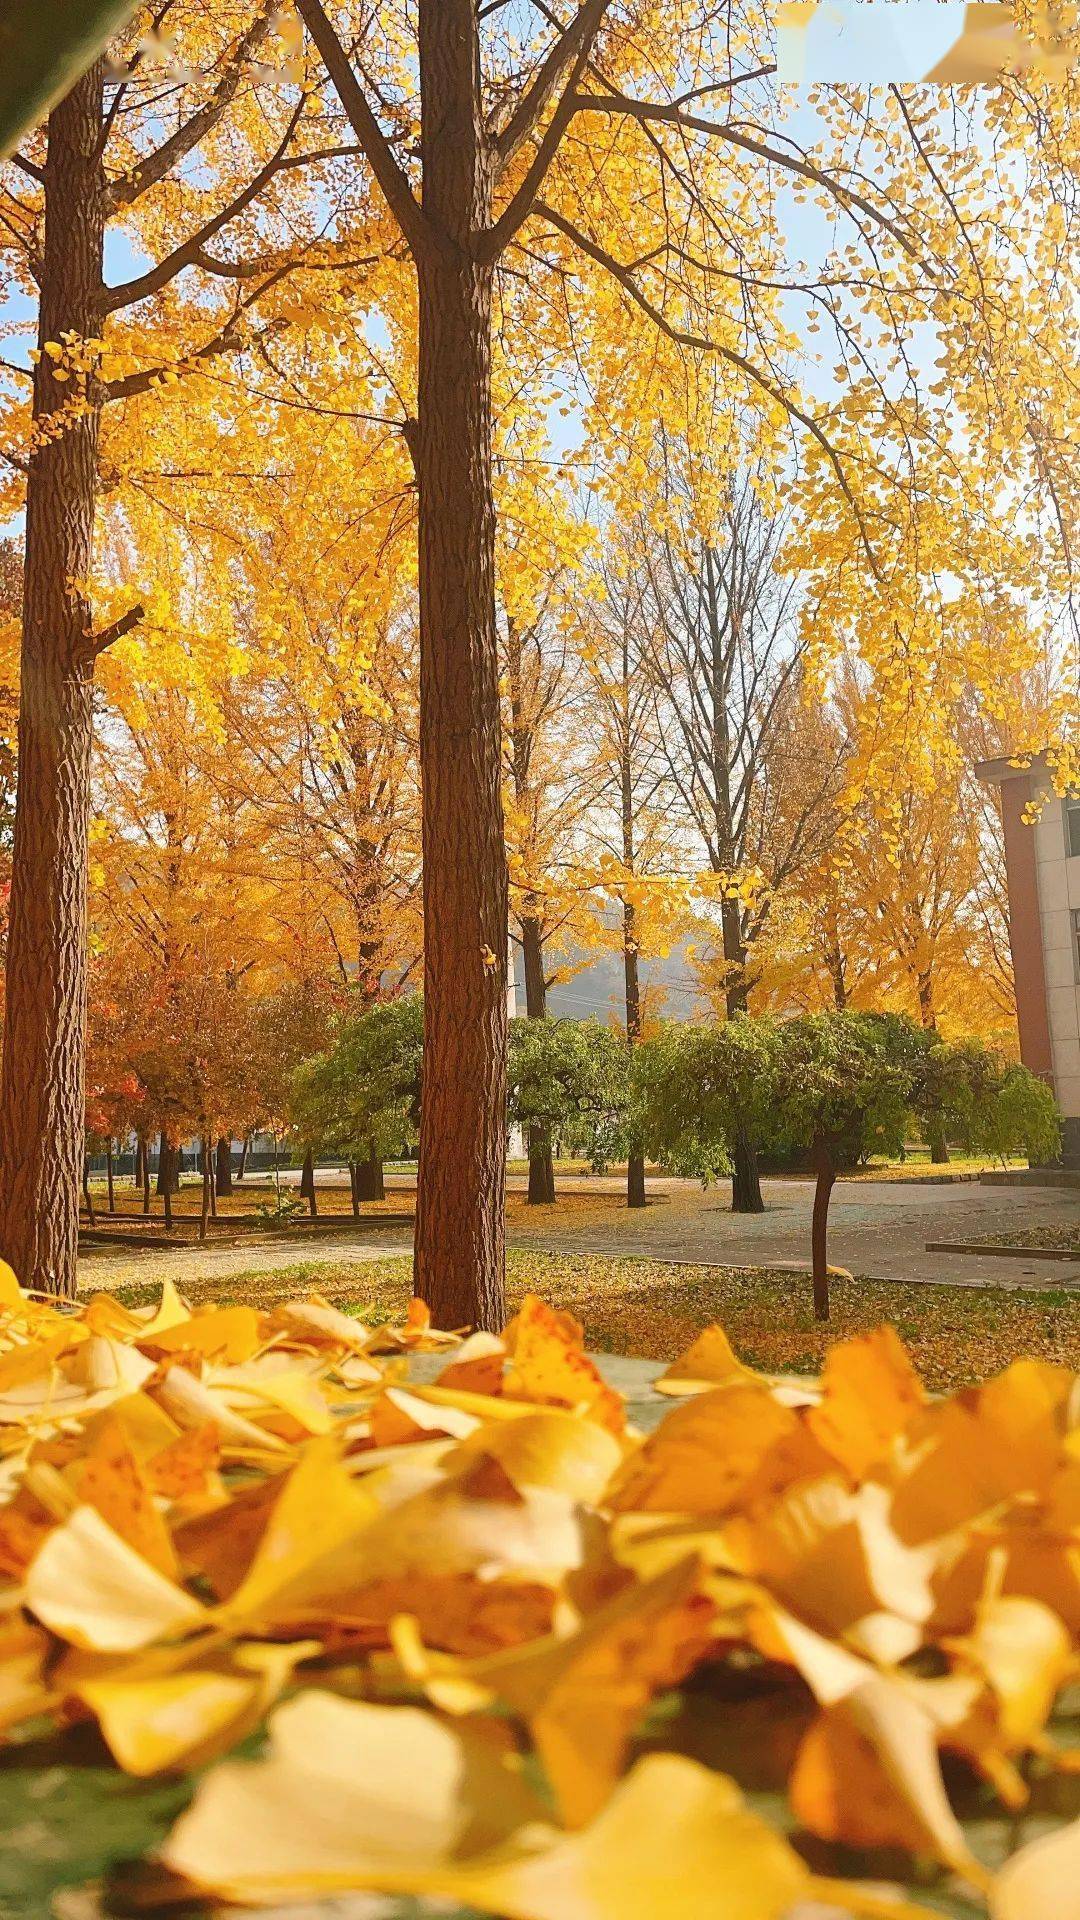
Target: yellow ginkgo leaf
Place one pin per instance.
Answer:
(154, 1721)
(95, 1591)
(870, 1392)
(560, 1451)
(352, 1795)
(709, 1361)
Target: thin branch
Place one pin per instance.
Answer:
(29, 167)
(187, 254)
(397, 192)
(490, 245)
(648, 110)
(570, 50)
(129, 186)
(702, 344)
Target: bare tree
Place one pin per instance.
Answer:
(630, 822)
(546, 801)
(726, 668)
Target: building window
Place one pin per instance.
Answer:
(1072, 826)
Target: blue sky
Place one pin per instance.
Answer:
(872, 41)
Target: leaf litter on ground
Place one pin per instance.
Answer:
(810, 1646)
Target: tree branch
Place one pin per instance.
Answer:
(29, 167)
(489, 245)
(393, 182)
(621, 103)
(571, 49)
(96, 643)
(128, 187)
(702, 344)
(229, 340)
(187, 254)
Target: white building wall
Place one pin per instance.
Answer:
(1059, 899)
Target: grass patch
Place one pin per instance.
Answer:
(651, 1310)
(917, 1165)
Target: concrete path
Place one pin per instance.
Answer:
(113, 1267)
(879, 1229)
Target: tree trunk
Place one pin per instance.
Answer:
(244, 1151)
(167, 1162)
(541, 1167)
(144, 1149)
(41, 1087)
(168, 1172)
(635, 1159)
(140, 1163)
(354, 1196)
(109, 1175)
(223, 1170)
(935, 1132)
(204, 1209)
(307, 1184)
(87, 1196)
(541, 1159)
(370, 1183)
(825, 1169)
(460, 1207)
(745, 1180)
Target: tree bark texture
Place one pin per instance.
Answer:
(635, 1159)
(825, 1172)
(541, 1159)
(307, 1184)
(936, 1138)
(206, 1157)
(41, 1087)
(460, 1213)
(370, 1182)
(223, 1170)
(745, 1178)
(168, 1172)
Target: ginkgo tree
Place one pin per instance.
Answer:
(613, 160)
(195, 147)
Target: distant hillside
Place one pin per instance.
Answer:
(670, 988)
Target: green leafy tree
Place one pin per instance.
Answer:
(569, 1079)
(840, 1084)
(698, 1088)
(361, 1097)
(843, 1085)
(988, 1103)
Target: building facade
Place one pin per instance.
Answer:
(1042, 858)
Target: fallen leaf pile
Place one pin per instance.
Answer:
(461, 1607)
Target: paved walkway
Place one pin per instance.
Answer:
(878, 1229)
